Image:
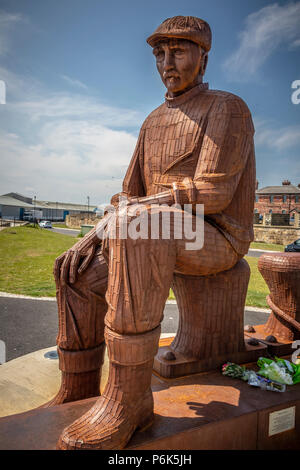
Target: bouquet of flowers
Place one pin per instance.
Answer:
(240, 372)
(234, 370)
(281, 370)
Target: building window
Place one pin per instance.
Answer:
(271, 198)
(256, 198)
(296, 198)
(284, 198)
(270, 211)
(284, 212)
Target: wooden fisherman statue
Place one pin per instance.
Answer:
(195, 148)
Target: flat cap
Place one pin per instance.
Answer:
(183, 27)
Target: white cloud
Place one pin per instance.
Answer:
(277, 152)
(265, 31)
(7, 22)
(74, 82)
(28, 97)
(279, 139)
(69, 159)
(295, 43)
(62, 105)
(63, 145)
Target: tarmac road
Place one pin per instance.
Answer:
(256, 254)
(65, 231)
(27, 325)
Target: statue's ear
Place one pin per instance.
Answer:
(203, 64)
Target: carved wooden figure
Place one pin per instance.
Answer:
(196, 148)
(281, 272)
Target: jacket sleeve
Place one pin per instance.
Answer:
(226, 145)
(133, 183)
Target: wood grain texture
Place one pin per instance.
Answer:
(196, 148)
(281, 272)
(211, 312)
(126, 403)
(211, 324)
(203, 139)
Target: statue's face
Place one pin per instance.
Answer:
(180, 63)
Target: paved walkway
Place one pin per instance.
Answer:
(27, 382)
(32, 380)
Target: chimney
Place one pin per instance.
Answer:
(286, 183)
(257, 183)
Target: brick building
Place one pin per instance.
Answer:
(284, 199)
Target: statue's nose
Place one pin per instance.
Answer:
(168, 61)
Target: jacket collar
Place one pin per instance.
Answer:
(184, 97)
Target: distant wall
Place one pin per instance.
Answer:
(10, 212)
(278, 235)
(75, 221)
(53, 214)
(276, 219)
(255, 218)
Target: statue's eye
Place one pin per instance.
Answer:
(178, 51)
(159, 55)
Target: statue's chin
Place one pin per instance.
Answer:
(174, 89)
(172, 92)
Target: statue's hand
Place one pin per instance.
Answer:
(73, 262)
(117, 198)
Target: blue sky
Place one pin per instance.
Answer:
(80, 79)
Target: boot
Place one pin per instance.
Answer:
(126, 403)
(81, 374)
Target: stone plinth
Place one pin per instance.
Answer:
(203, 411)
(277, 235)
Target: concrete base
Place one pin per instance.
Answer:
(27, 382)
(203, 411)
(183, 365)
(30, 381)
(280, 348)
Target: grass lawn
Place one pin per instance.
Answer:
(257, 288)
(27, 256)
(267, 246)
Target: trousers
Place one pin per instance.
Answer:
(126, 285)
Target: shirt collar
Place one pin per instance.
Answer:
(180, 99)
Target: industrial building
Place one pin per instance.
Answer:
(12, 208)
(19, 207)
